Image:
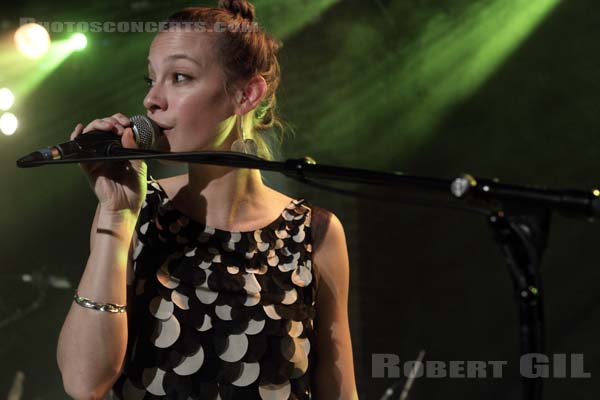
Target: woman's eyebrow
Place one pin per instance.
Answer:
(174, 57)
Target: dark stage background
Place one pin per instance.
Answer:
(497, 88)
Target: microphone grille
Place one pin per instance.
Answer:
(145, 131)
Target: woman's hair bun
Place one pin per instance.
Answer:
(238, 7)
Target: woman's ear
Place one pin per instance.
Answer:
(250, 96)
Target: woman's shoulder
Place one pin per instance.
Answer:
(326, 227)
(323, 222)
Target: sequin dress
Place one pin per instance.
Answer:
(219, 314)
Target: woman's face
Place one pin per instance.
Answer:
(187, 95)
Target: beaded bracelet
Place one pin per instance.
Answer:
(106, 307)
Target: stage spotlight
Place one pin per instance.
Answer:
(8, 123)
(78, 41)
(6, 99)
(32, 40)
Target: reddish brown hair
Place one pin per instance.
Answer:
(244, 50)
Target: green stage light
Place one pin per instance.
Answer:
(78, 41)
(8, 123)
(6, 99)
(32, 40)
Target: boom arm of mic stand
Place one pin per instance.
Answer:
(571, 202)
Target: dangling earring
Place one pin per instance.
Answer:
(243, 144)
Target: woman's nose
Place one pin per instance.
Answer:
(155, 100)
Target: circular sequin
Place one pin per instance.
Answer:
(166, 332)
(161, 308)
(250, 372)
(190, 364)
(254, 327)
(153, 381)
(180, 300)
(275, 392)
(236, 348)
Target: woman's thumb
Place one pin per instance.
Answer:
(128, 140)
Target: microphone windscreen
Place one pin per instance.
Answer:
(145, 131)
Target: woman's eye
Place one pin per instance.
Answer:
(177, 78)
(181, 77)
(149, 82)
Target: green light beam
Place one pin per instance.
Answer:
(408, 88)
(23, 75)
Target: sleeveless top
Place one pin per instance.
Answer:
(218, 314)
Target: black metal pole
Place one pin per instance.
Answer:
(522, 237)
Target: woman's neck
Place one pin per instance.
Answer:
(223, 195)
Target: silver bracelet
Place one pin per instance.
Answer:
(106, 307)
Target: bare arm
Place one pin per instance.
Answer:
(334, 374)
(92, 344)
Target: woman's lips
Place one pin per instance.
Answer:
(163, 127)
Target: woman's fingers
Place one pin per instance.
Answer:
(105, 124)
(116, 123)
(77, 131)
(98, 124)
(122, 119)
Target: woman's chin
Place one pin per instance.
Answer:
(162, 144)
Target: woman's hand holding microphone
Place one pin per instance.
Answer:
(120, 186)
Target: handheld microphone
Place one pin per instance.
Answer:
(97, 143)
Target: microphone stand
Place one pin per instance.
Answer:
(519, 217)
(521, 233)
